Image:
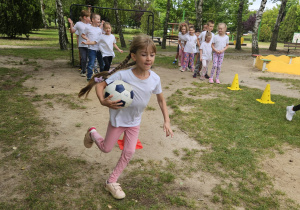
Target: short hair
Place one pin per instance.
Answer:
(84, 13)
(210, 22)
(192, 26)
(224, 24)
(93, 15)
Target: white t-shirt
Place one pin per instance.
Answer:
(106, 45)
(143, 89)
(182, 39)
(79, 29)
(220, 41)
(93, 34)
(190, 45)
(206, 50)
(202, 37)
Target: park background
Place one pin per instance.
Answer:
(229, 151)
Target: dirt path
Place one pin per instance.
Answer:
(68, 126)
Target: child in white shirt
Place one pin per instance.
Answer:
(205, 54)
(183, 28)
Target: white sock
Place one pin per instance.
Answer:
(93, 130)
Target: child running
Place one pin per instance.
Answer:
(91, 34)
(205, 54)
(190, 49)
(219, 45)
(79, 27)
(106, 43)
(291, 110)
(144, 83)
(183, 28)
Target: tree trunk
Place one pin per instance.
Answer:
(43, 14)
(163, 44)
(199, 7)
(239, 31)
(123, 44)
(61, 25)
(255, 49)
(273, 44)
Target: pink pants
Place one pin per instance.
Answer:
(112, 136)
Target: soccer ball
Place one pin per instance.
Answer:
(120, 91)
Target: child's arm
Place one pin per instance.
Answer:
(84, 37)
(225, 48)
(198, 43)
(214, 49)
(106, 101)
(72, 29)
(179, 42)
(163, 106)
(89, 42)
(116, 46)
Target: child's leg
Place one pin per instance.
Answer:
(130, 140)
(177, 54)
(191, 61)
(83, 58)
(204, 67)
(92, 57)
(100, 61)
(215, 61)
(219, 63)
(184, 64)
(107, 62)
(181, 54)
(197, 67)
(296, 108)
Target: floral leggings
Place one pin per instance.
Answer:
(217, 62)
(188, 61)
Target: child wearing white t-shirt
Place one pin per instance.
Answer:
(183, 28)
(92, 33)
(219, 45)
(205, 54)
(190, 49)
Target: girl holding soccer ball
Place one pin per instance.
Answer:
(144, 83)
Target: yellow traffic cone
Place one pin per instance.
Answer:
(266, 96)
(235, 83)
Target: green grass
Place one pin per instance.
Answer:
(239, 136)
(292, 83)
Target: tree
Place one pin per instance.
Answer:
(290, 25)
(249, 24)
(163, 45)
(255, 49)
(123, 44)
(19, 17)
(239, 32)
(61, 26)
(199, 8)
(280, 17)
(43, 14)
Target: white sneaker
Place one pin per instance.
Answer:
(290, 113)
(83, 75)
(115, 190)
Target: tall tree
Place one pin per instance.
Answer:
(123, 44)
(255, 49)
(43, 14)
(163, 45)
(199, 8)
(281, 14)
(239, 32)
(61, 26)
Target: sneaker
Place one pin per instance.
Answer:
(82, 74)
(194, 75)
(217, 81)
(96, 71)
(175, 61)
(202, 78)
(206, 76)
(115, 190)
(182, 70)
(210, 80)
(88, 141)
(290, 113)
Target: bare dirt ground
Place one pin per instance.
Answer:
(67, 127)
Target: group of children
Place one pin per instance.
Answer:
(204, 45)
(95, 41)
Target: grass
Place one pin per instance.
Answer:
(292, 83)
(237, 138)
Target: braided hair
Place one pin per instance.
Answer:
(139, 42)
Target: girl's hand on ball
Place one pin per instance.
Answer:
(111, 104)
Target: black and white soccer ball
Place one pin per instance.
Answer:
(120, 91)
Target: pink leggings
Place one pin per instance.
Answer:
(112, 136)
(217, 62)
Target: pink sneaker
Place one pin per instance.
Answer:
(210, 80)
(88, 141)
(217, 81)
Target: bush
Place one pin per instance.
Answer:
(132, 31)
(265, 33)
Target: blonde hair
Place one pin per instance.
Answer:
(208, 34)
(138, 43)
(93, 16)
(224, 24)
(181, 25)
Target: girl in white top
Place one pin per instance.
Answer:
(183, 29)
(190, 49)
(92, 34)
(205, 54)
(219, 45)
(79, 29)
(144, 83)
